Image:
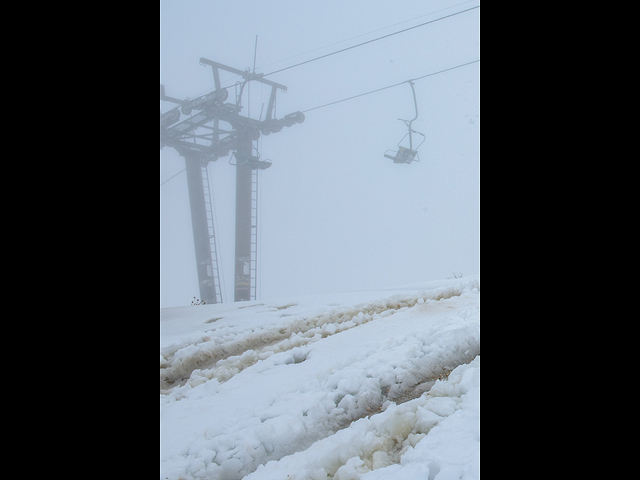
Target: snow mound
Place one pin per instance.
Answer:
(354, 391)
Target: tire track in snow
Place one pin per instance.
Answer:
(338, 449)
(395, 371)
(219, 357)
(434, 355)
(382, 439)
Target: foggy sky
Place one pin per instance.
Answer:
(334, 214)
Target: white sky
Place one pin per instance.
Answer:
(334, 214)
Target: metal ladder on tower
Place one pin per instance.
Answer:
(212, 236)
(253, 263)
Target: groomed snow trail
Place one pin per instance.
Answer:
(250, 389)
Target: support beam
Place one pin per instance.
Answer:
(199, 226)
(247, 75)
(243, 221)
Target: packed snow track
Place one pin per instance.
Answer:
(364, 385)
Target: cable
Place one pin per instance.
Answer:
(370, 92)
(365, 33)
(370, 41)
(390, 86)
(349, 48)
(173, 176)
(363, 94)
(335, 43)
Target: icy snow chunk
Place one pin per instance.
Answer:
(330, 328)
(351, 470)
(380, 459)
(442, 406)
(319, 474)
(281, 432)
(230, 469)
(450, 473)
(425, 419)
(397, 472)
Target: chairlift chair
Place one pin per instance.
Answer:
(404, 154)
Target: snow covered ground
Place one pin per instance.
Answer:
(364, 385)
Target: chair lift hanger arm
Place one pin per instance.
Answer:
(415, 103)
(404, 154)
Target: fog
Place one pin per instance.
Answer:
(334, 214)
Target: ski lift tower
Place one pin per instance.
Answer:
(200, 140)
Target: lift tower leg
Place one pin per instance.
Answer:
(242, 288)
(197, 139)
(200, 228)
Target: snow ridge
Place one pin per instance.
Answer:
(298, 399)
(209, 358)
(389, 438)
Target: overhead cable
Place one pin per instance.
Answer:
(371, 41)
(366, 93)
(354, 46)
(366, 33)
(390, 86)
(173, 176)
